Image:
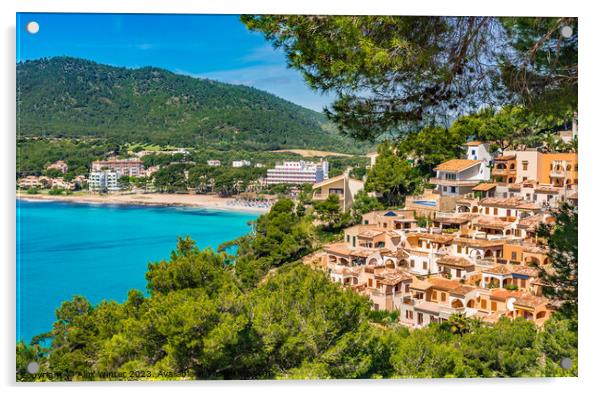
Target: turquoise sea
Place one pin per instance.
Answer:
(100, 251)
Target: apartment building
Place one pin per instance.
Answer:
(299, 172)
(58, 165)
(555, 169)
(391, 219)
(504, 169)
(457, 177)
(558, 169)
(343, 186)
(123, 167)
(104, 181)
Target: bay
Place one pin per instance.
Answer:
(100, 251)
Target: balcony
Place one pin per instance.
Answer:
(454, 183)
(503, 172)
(558, 173)
(324, 196)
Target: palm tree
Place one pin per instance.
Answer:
(459, 324)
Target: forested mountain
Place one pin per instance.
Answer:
(70, 97)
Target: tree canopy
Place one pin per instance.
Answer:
(391, 72)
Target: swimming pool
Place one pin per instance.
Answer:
(430, 203)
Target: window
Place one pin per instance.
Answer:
(407, 287)
(384, 224)
(513, 256)
(353, 241)
(525, 165)
(412, 263)
(483, 304)
(348, 238)
(486, 210)
(434, 295)
(449, 176)
(568, 167)
(474, 151)
(458, 273)
(508, 213)
(453, 189)
(424, 266)
(365, 222)
(495, 211)
(459, 249)
(443, 296)
(369, 282)
(523, 283)
(420, 318)
(493, 306)
(444, 189)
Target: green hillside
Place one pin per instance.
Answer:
(70, 97)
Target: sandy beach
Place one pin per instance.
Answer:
(152, 199)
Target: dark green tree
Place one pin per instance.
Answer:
(392, 177)
(330, 212)
(389, 72)
(363, 203)
(561, 277)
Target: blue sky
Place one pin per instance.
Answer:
(209, 46)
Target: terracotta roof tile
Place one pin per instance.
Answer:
(485, 186)
(512, 202)
(443, 283)
(505, 157)
(479, 243)
(443, 239)
(492, 222)
(530, 301)
(456, 261)
(504, 294)
(457, 165)
(498, 269)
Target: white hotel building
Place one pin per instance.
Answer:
(300, 172)
(104, 181)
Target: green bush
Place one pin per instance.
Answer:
(383, 316)
(56, 191)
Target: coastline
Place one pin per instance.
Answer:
(152, 199)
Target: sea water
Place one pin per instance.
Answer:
(100, 251)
